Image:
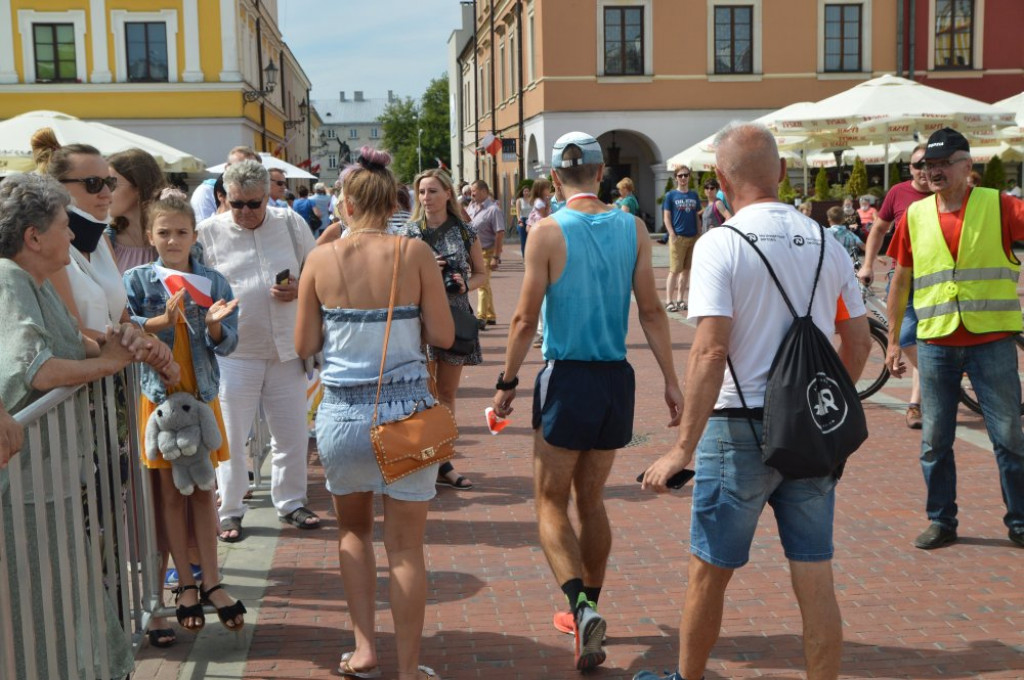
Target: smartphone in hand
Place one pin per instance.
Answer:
(281, 278)
(676, 481)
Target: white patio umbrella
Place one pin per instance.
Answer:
(888, 109)
(701, 156)
(271, 161)
(16, 133)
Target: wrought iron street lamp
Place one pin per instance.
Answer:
(269, 81)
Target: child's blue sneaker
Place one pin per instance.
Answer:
(171, 579)
(651, 675)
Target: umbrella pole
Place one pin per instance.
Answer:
(803, 158)
(885, 174)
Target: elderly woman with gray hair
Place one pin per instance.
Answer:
(42, 348)
(260, 250)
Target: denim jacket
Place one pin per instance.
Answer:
(147, 299)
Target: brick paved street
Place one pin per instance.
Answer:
(952, 613)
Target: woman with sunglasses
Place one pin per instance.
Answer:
(90, 285)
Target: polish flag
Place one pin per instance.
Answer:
(491, 144)
(198, 287)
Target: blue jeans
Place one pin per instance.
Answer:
(521, 228)
(732, 487)
(992, 368)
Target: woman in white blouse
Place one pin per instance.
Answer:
(91, 285)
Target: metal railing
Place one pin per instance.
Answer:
(78, 556)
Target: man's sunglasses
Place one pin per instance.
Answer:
(919, 165)
(251, 205)
(280, 183)
(683, 174)
(94, 185)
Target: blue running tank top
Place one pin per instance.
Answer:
(586, 311)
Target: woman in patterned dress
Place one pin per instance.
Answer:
(436, 220)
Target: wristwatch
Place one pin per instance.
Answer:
(506, 385)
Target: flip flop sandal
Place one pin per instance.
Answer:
(297, 518)
(230, 524)
(161, 638)
(459, 483)
(345, 669)
(429, 673)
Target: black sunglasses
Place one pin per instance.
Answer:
(94, 185)
(683, 174)
(280, 183)
(919, 165)
(251, 205)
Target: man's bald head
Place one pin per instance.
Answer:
(747, 158)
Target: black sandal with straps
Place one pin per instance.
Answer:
(228, 613)
(195, 611)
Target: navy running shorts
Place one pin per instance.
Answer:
(583, 405)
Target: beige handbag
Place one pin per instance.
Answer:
(424, 437)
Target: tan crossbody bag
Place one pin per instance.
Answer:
(424, 437)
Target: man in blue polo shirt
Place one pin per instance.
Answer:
(584, 262)
(680, 211)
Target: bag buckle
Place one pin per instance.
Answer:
(427, 453)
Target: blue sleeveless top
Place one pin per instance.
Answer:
(586, 311)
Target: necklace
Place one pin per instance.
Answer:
(375, 232)
(580, 197)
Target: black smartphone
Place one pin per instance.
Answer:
(676, 481)
(281, 278)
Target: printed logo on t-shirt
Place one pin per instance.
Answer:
(798, 240)
(825, 399)
(752, 237)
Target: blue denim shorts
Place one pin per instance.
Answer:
(732, 487)
(343, 442)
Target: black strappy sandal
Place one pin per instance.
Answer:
(227, 613)
(195, 611)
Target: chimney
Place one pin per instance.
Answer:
(359, 95)
(391, 96)
(342, 96)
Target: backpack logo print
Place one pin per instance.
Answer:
(826, 403)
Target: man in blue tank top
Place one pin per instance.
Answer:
(584, 263)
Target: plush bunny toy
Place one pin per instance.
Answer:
(184, 430)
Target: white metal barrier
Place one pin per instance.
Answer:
(78, 557)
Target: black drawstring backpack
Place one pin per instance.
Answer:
(813, 419)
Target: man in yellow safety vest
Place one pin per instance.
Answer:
(955, 248)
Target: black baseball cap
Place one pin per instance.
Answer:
(943, 143)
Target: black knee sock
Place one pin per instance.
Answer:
(592, 593)
(573, 588)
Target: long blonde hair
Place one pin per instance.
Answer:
(454, 209)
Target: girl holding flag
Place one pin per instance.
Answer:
(192, 309)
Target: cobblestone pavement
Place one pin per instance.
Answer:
(957, 612)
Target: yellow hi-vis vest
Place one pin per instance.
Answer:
(979, 288)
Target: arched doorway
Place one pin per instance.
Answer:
(630, 154)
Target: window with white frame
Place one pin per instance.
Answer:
(501, 71)
(531, 44)
(374, 133)
(145, 46)
(624, 37)
(512, 61)
(52, 45)
(332, 162)
(954, 34)
(331, 133)
(353, 133)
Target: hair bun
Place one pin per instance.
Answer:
(370, 164)
(171, 192)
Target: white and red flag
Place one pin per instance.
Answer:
(199, 287)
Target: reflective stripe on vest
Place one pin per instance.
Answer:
(979, 288)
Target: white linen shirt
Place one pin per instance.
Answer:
(249, 259)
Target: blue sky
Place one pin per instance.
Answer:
(369, 45)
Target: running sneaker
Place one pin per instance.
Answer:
(171, 579)
(651, 675)
(565, 622)
(589, 634)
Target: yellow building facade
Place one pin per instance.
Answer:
(174, 70)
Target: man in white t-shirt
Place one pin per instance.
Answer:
(741, 314)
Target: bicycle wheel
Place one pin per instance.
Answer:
(969, 399)
(875, 374)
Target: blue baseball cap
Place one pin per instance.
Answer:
(592, 154)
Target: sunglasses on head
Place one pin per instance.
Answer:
(94, 185)
(251, 205)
